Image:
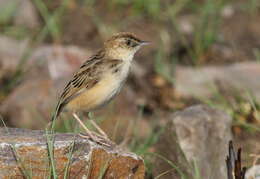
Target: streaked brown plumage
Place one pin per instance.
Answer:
(101, 77)
(89, 74)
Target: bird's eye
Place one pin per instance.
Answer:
(131, 43)
(128, 42)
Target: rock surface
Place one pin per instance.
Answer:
(24, 151)
(31, 100)
(203, 82)
(203, 134)
(253, 172)
(170, 156)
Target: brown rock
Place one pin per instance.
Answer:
(89, 159)
(29, 101)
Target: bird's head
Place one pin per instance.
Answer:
(123, 45)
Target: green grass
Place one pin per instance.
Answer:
(257, 54)
(7, 13)
(244, 110)
(52, 20)
(174, 167)
(205, 28)
(50, 149)
(50, 27)
(163, 66)
(66, 171)
(151, 8)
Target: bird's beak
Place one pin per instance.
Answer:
(144, 43)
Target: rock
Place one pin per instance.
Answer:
(30, 104)
(48, 69)
(56, 62)
(253, 172)
(200, 129)
(24, 151)
(202, 82)
(203, 134)
(11, 52)
(23, 11)
(59, 62)
(168, 149)
(186, 24)
(228, 11)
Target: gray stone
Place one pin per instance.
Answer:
(203, 82)
(169, 156)
(195, 138)
(203, 134)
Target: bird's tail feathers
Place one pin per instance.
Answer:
(56, 114)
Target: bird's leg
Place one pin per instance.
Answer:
(97, 127)
(94, 137)
(83, 125)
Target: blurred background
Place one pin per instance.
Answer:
(202, 52)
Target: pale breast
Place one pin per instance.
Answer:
(102, 92)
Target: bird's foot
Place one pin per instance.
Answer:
(97, 138)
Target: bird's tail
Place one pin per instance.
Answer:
(55, 115)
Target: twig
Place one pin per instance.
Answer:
(233, 162)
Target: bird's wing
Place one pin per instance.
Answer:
(86, 77)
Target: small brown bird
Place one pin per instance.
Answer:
(100, 78)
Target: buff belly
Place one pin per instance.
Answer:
(96, 96)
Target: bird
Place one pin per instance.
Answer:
(100, 78)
